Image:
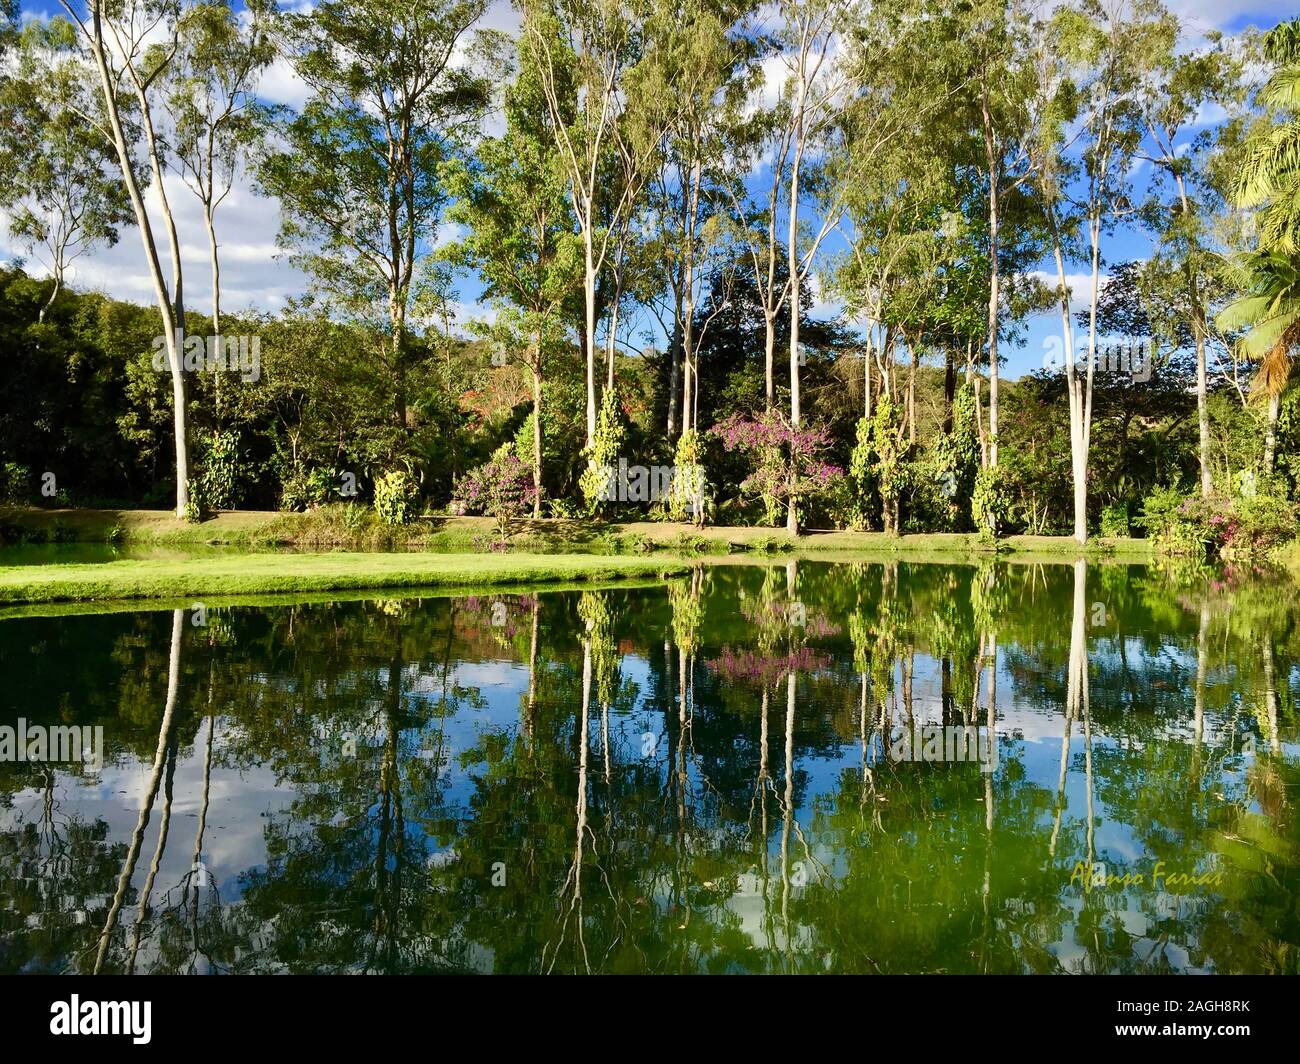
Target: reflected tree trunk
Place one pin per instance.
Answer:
(155, 778)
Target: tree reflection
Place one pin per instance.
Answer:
(686, 777)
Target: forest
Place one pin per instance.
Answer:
(905, 266)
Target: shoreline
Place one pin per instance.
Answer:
(268, 574)
(325, 529)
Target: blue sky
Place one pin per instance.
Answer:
(255, 274)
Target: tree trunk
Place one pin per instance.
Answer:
(769, 352)
(911, 395)
(215, 261)
(537, 426)
(1270, 433)
(674, 357)
(171, 326)
(990, 150)
(949, 388)
(589, 307)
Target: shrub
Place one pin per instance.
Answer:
(196, 503)
(306, 490)
(1244, 526)
(566, 509)
(221, 475)
(991, 501)
(354, 518)
(502, 488)
(1115, 520)
(603, 455)
(688, 493)
(787, 463)
(396, 497)
(1261, 522)
(14, 479)
(1179, 524)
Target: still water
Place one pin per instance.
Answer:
(745, 770)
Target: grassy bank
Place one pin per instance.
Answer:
(335, 527)
(270, 573)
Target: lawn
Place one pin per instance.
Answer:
(244, 574)
(326, 529)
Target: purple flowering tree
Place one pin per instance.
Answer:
(502, 488)
(788, 463)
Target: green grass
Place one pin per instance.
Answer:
(328, 528)
(270, 573)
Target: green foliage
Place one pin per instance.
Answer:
(222, 474)
(197, 507)
(603, 455)
(1174, 521)
(1262, 521)
(306, 489)
(1244, 526)
(14, 483)
(957, 459)
(990, 501)
(889, 467)
(1115, 520)
(861, 476)
(396, 497)
(566, 509)
(688, 493)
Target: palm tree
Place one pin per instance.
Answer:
(1270, 312)
(1270, 182)
(1270, 174)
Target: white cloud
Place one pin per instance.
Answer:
(1079, 284)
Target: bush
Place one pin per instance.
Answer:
(502, 488)
(354, 518)
(1189, 524)
(1260, 523)
(306, 490)
(196, 503)
(1115, 520)
(566, 509)
(688, 493)
(603, 455)
(220, 479)
(14, 479)
(1178, 523)
(396, 497)
(991, 501)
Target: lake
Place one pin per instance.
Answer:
(788, 766)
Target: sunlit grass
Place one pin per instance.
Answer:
(242, 574)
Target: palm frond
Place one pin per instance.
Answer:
(1282, 43)
(1242, 314)
(1275, 366)
(1282, 89)
(1268, 163)
(1266, 335)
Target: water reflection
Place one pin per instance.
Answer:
(700, 776)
